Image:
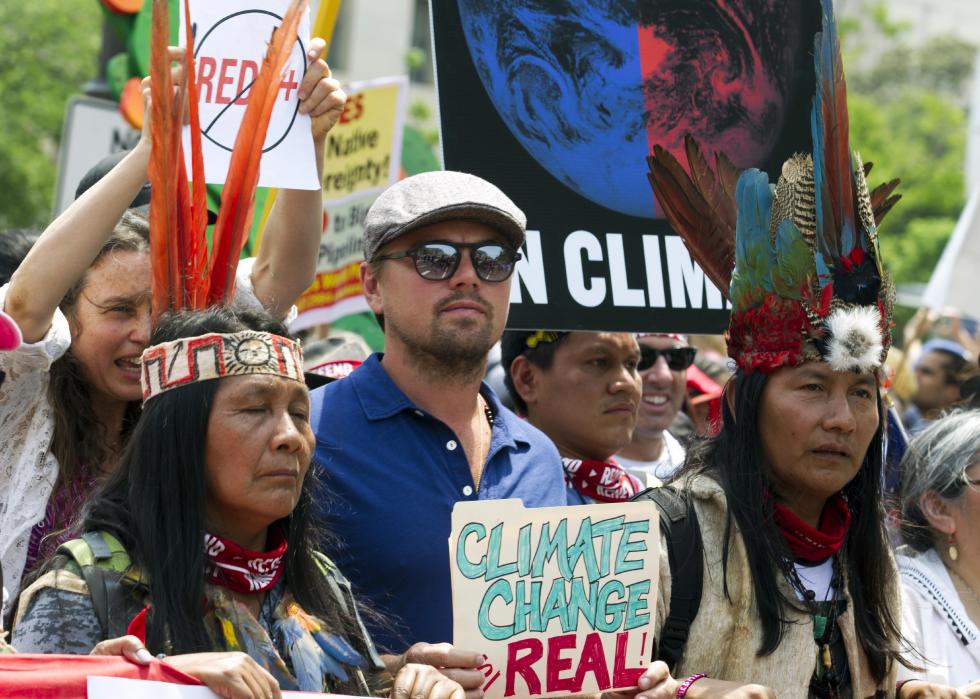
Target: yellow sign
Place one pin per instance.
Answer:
(363, 156)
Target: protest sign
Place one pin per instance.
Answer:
(362, 159)
(559, 104)
(560, 600)
(230, 41)
(117, 688)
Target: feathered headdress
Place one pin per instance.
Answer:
(184, 276)
(807, 282)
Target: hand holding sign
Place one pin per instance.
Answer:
(415, 681)
(320, 94)
(456, 664)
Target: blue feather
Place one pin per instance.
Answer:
(304, 654)
(754, 196)
(338, 648)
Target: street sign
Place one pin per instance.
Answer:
(93, 129)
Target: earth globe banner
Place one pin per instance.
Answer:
(560, 103)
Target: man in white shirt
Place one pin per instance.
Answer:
(654, 455)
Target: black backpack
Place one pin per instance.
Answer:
(685, 552)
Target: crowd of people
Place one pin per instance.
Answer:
(191, 489)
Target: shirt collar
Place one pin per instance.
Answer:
(381, 399)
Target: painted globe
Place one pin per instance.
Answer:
(588, 86)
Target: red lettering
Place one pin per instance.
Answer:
(224, 80)
(593, 660)
(523, 665)
(206, 70)
(353, 109)
(624, 676)
(289, 84)
(245, 82)
(557, 664)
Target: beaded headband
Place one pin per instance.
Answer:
(215, 356)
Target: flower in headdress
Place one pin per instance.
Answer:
(855, 339)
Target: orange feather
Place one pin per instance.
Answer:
(238, 194)
(163, 170)
(196, 275)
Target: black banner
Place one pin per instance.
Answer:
(568, 101)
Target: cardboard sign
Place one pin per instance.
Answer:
(363, 153)
(230, 41)
(560, 600)
(559, 104)
(117, 688)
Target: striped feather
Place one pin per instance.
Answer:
(832, 168)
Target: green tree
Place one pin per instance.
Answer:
(50, 49)
(908, 116)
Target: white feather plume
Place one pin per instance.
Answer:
(855, 342)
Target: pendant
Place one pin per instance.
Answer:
(819, 626)
(828, 662)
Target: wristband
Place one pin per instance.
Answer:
(686, 684)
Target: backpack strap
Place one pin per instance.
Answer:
(103, 562)
(685, 552)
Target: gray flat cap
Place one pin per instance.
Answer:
(432, 197)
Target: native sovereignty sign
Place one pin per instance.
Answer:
(560, 600)
(559, 104)
(230, 40)
(363, 153)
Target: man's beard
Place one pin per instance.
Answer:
(452, 353)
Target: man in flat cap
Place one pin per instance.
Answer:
(415, 430)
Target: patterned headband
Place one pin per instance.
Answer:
(215, 356)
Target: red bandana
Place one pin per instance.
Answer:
(603, 481)
(811, 545)
(241, 570)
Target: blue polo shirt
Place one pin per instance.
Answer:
(389, 475)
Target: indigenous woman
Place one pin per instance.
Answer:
(202, 540)
(799, 594)
(81, 298)
(940, 565)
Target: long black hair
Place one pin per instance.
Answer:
(155, 502)
(735, 459)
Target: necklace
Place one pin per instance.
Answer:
(827, 679)
(965, 584)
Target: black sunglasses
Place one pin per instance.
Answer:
(438, 261)
(677, 358)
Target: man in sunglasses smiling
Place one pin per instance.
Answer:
(414, 430)
(655, 455)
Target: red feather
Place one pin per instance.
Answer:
(701, 210)
(183, 275)
(238, 194)
(164, 172)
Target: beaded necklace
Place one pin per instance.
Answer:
(828, 678)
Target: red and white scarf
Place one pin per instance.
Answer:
(603, 481)
(241, 570)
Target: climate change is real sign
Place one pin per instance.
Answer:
(559, 600)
